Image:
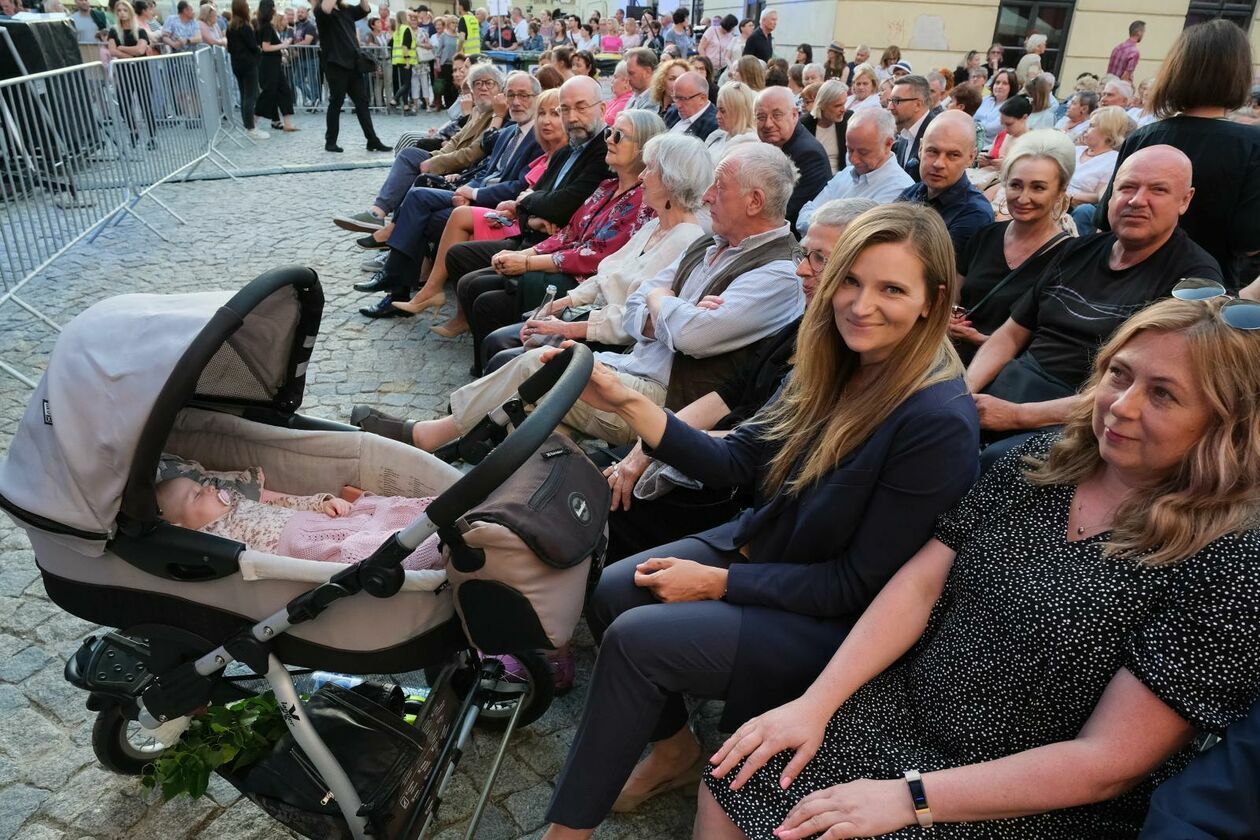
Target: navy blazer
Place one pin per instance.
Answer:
(819, 557)
(701, 128)
(511, 181)
(557, 204)
(811, 160)
(1215, 797)
(911, 163)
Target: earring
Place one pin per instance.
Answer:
(669, 204)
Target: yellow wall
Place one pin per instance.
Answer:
(931, 33)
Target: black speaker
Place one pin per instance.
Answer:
(42, 45)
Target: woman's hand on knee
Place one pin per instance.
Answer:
(798, 726)
(862, 808)
(675, 580)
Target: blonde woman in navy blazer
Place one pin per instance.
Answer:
(872, 437)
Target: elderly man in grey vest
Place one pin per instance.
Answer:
(693, 323)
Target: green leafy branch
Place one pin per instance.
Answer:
(235, 735)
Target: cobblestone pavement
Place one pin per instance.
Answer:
(50, 785)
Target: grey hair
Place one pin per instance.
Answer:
(1122, 86)
(831, 91)
(485, 70)
(776, 92)
(885, 124)
(936, 75)
(646, 125)
(760, 166)
(690, 169)
(622, 69)
(765, 13)
(534, 85)
(1034, 40)
(1048, 143)
(813, 67)
(839, 212)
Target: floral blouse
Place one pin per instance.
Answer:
(259, 524)
(603, 224)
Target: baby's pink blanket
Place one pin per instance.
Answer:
(350, 538)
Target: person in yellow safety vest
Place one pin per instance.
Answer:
(469, 28)
(403, 58)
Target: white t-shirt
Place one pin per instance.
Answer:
(1076, 131)
(1092, 174)
(853, 104)
(831, 145)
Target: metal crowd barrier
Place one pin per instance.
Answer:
(302, 70)
(80, 147)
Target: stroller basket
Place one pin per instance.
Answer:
(395, 766)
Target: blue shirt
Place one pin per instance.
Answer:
(963, 207)
(574, 152)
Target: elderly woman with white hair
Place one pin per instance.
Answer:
(828, 120)
(621, 93)
(1030, 65)
(593, 311)
(736, 124)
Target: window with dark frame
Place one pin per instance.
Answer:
(1201, 11)
(1017, 19)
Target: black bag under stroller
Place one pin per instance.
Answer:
(218, 378)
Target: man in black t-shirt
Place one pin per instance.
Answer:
(334, 21)
(1031, 367)
(761, 42)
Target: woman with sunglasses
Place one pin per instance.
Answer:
(1090, 607)
(868, 441)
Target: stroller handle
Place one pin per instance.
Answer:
(562, 380)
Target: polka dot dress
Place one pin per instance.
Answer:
(1029, 630)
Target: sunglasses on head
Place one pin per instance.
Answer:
(1239, 314)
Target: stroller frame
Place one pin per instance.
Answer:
(166, 701)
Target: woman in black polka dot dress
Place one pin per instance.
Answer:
(1049, 656)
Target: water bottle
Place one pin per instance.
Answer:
(346, 681)
(540, 314)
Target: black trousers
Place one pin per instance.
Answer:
(247, 79)
(403, 272)
(650, 654)
(402, 84)
(671, 517)
(449, 93)
(468, 264)
(340, 83)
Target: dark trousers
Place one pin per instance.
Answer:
(403, 272)
(276, 100)
(411, 222)
(247, 80)
(650, 655)
(504, 344)
(343, 82)
(670, 517)
(468, 263)
(487, 305)
(449, 93)
(402, 84)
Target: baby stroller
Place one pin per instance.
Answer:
(219, 378)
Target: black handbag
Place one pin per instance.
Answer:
(363, 62)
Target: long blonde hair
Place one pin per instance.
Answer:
(1216, 489)
(812, 422)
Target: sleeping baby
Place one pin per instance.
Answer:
(320, 527)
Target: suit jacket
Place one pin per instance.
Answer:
(700, 128)
(817, 558)
(557, 204)
(499, 164)
(1215, 796)
(911, 163)
(811, 159)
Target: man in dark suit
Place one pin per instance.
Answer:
(761, 42)
(778, 124)
(572, 175)
(691, 113)
(910, 105)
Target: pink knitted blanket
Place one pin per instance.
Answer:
(350, 538)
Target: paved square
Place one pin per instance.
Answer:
(50, 784)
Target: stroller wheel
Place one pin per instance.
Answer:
(121, 745)
(500, 699)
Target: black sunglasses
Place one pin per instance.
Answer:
(1239, 314)
(617, 135)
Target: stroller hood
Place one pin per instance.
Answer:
(87, 447)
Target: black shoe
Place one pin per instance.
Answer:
(384, 309)
(370, 244)
(378, 282)
(332, 147)
(378, 146)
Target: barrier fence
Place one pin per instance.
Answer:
(81, 147)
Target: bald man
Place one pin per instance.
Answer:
(691, 113)
(947, 149)
(778, 123)
(1026, 374)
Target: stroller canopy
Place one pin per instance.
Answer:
(88, 445)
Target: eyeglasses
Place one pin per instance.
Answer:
(581, 107)
(817, 260)
(616, 135)
(510, 95)
(897, 100)
(485, 83)
(689, 98)
(773, 115)
(1239, 314)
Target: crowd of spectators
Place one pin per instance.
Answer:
(825, 297)
(928, 400)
